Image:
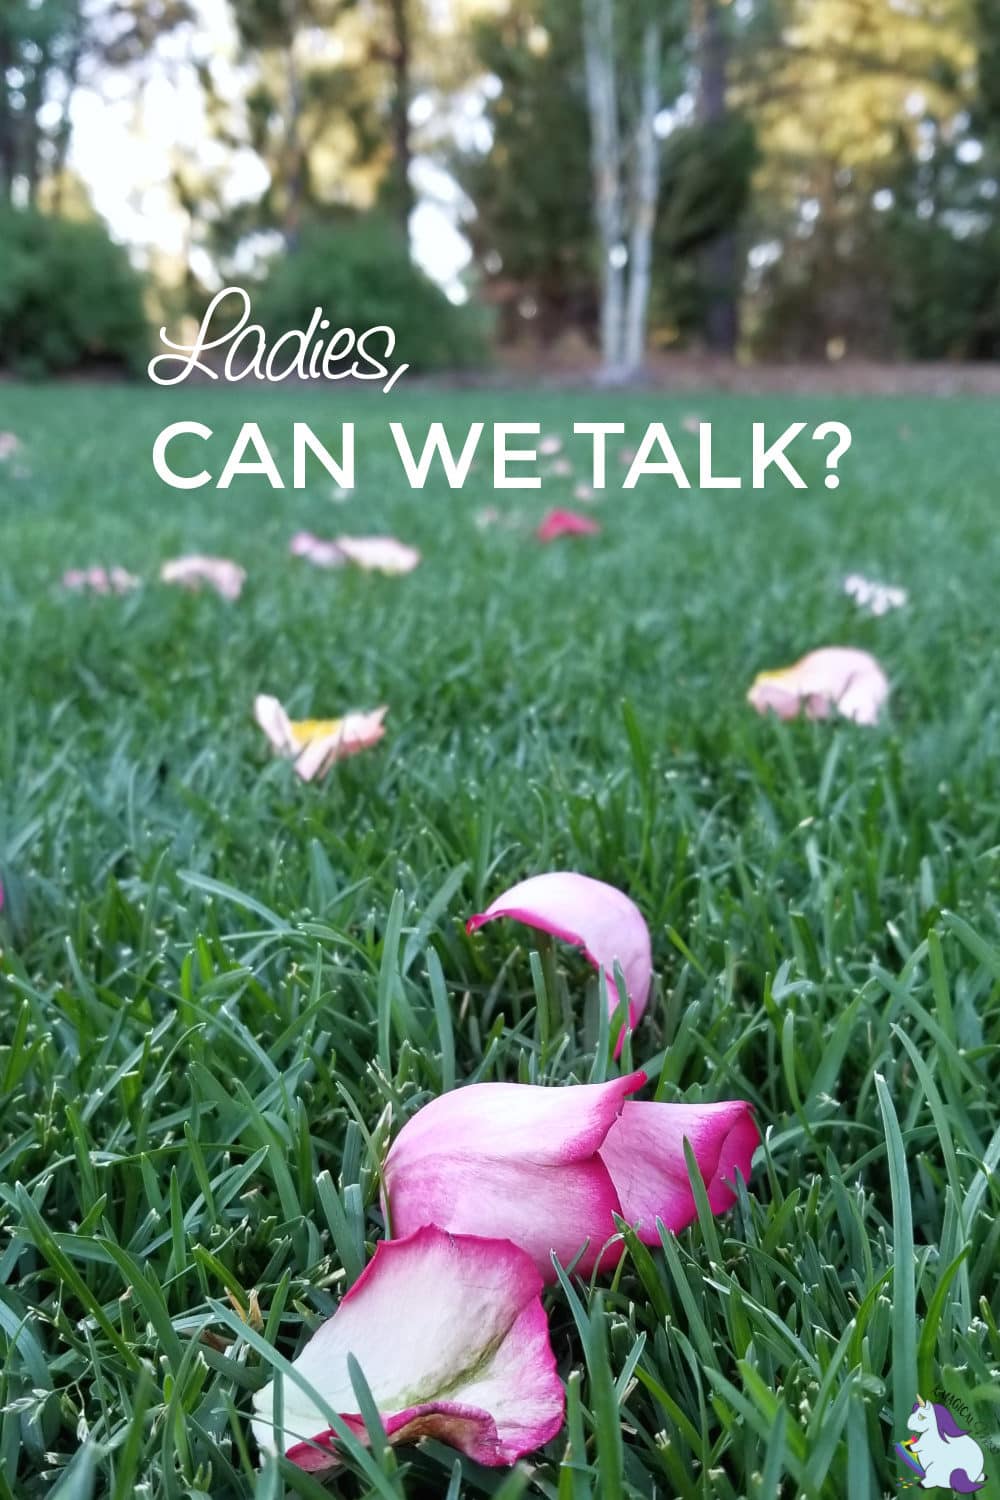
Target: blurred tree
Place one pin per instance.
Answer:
(844, 95)
(533, 228)
(45, 45)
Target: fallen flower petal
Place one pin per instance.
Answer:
(549, 1168)
(227, 578)
(10, 444)
(584, 492)
(591, 915)
(566, 523)
(834, 678)
(873, 597)
(316, 745)
(379, 554)
(549, 445)
(100, 580)
(560, 468)
(316, 550)
(452, 1338)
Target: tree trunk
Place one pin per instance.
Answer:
(8, 124)
(402, 152)
(645, 184)
(719, 261)
(294, 150)
(605, 157)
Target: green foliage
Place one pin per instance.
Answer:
(215, 1010)
(361, 274)
(534, 229)
(69, 298)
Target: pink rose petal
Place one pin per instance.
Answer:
(219, 573)
(316, 745)
(100, 580)
(644, 1153)
(566, 523)
(315, 550)
(379, 554)
(453, 1341)
(591, 915)
(512, 1161)
(834, 678)
(551, 1168)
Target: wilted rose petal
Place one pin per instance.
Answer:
(549, 1168)
(227, 578)
(566, 523)
(873, 597)
(316, 550)
(378, 554)
(833, 679)
(315, 745)
(10, 444)
(100, 580)
(591, 915)
(453, 1342)
(549, 445)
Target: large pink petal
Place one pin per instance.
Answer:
(565, 523)
(839, 678)
(452, 1339)
(593, 916)
(513, 1161)
(644, 1153)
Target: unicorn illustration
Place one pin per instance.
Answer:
(941, 1452)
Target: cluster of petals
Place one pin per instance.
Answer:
(100, 580)
(197, 571)
(316, 745)
(550, 1168)
(373, 554)
(873, 597)
(834, 679)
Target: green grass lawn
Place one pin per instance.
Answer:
(212, 1026)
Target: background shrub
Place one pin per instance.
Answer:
(361, 275)
(69, 297)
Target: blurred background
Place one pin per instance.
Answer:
(600, 187)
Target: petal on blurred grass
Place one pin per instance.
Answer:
(566, 523)
(315, 550)
(194, 572)
(591, 915)
(10, 444)
(873, 597)
(834, 679)
(550, 444)
(451, 1336)
(378, 554)
(100, 580)
(316, 745)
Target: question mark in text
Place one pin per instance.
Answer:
(836, 453)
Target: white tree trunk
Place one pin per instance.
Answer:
(605, 158)
(644, 190)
